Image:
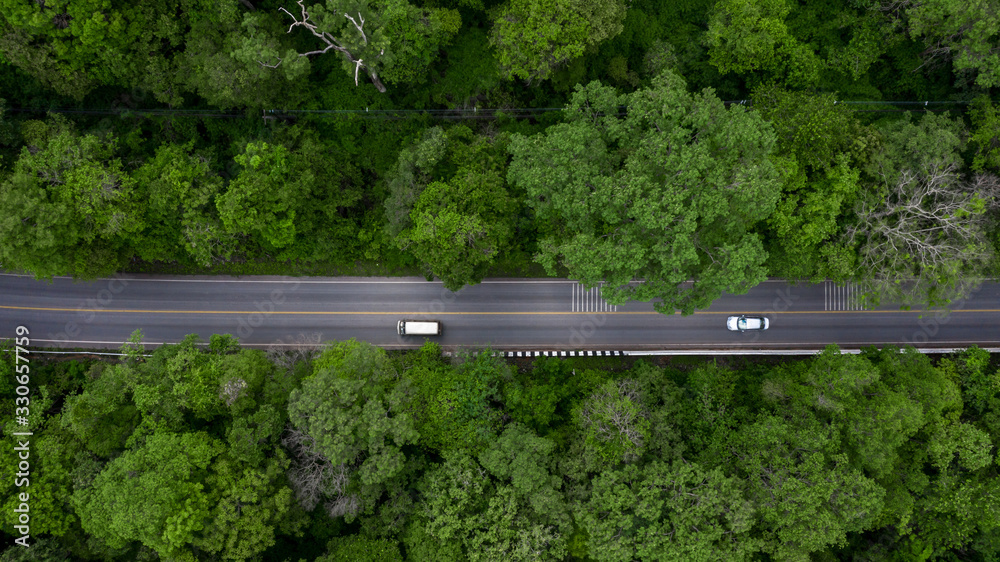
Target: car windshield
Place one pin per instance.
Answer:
(742, 323)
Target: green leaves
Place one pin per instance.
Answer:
(448, 204)
(985, 134)
(75, 204)
(494, 521)
(921, 237)
(745, 35)
(662, 511)
(797, 465)
(614, 422)
(392, 39)
(263, 198)
(254, 505)
(155, 494)
(352, 414)
(535, 37)
(965, 31)
(460, 228)
(349, 409)
(667, 194)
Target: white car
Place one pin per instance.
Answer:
(744, 323)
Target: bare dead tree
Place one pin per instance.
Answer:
(988, 187)
(927, 226)
(343, 505)
(208, 241)
(332, 43)
(303, 348)
(313, 477)
(615, 414)
(231, 390)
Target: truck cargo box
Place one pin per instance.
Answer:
(419, 328)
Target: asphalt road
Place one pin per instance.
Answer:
(519, 314)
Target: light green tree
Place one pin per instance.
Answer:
(533, 38)
(461, 227)
(265, 198)
(448, 203)
(668, 194)
(69, 207)
(353, 414)
(746, 35)
(361, 549)
(749, 35)
(255, 504)
(156, 495)
(662, 511)
(985, 134)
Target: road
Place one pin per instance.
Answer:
(537, 314)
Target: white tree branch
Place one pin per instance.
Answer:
(360, 28)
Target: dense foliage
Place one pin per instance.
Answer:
(351, 453)
(705, 140)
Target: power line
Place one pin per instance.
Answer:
(455, 113)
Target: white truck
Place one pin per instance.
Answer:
(419, 328)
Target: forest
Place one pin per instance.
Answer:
(353, 453)
(717, 141)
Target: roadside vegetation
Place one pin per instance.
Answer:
(348, 452)
(713, 140)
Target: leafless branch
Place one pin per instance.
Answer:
(924, 222)
(331, 42)
(360, 27)
(313, 476)
(613, 423)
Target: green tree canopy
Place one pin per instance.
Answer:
(535, 37)
(461, 224)
(353, 413)
(266, 196)
(155, 494)
(69, 206)
(920, 234)
(645, 203)
(965, 31)
(662, 511)
(788, 464)
(390, 39)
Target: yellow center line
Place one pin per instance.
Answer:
(411, 313)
